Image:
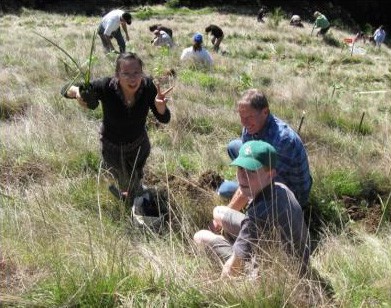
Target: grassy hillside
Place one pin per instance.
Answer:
(66, 241)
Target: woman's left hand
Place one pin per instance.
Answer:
(161, 99)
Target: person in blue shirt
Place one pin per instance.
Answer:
(259, 124)
(379, 36)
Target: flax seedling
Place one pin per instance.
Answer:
(82, 71)
(164, 76)
(275, 18)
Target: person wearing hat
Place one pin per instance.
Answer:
(109, 27)
(321, 22)
(260, 124)
(197, 54)
(296, 21)
(217, 36)
(274, 210)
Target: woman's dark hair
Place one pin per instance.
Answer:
(197, 46)
(154, 27)
(126, 56)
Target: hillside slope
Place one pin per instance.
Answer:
(66, 241)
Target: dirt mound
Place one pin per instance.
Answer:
(368, 215)
(210, 179)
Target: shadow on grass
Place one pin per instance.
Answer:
(332, 41)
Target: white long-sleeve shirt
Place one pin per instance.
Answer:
(201, 56)
(163, 40)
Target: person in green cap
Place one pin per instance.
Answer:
(273, 210)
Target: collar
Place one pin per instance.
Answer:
(265, 194)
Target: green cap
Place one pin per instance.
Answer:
(256, 154)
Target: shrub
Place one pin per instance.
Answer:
(275, 17)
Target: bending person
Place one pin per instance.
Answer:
(217, 36)
(109, 27)
(126, 99)
(322, 23)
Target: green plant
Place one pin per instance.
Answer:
(82, 72)
(386, 212)
(205, 80)
(161, 68)
(330, 40)
(346, 123)
(173, 3)
(145, 13)
(335, 87)
(245, 82)
(275, 18)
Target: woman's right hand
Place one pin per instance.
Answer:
(76, 94)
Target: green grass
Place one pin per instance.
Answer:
(67, 241)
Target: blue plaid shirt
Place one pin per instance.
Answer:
(292, 164)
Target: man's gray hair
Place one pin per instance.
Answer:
(255, 98)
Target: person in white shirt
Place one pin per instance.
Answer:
(296, 21)
(109, 27)
(162, 39)
(379, 36)
(197, 53)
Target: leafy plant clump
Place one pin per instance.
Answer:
(81, 72)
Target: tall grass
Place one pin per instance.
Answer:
(67, 242)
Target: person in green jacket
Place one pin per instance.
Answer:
(322, 23)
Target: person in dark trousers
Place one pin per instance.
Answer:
(126, 99)
(322, 23)
(110, 27)
(217, 35)
(379, 36)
